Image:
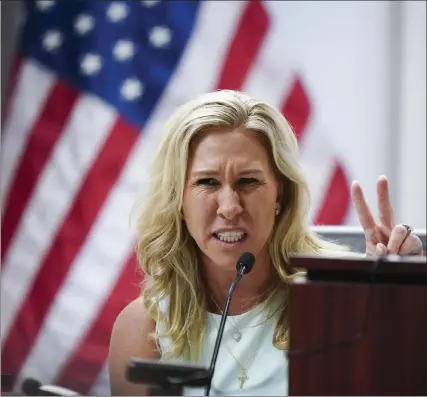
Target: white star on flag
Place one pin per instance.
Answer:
(84, 24)
(52, 40)
(160, 36)
(132, 89)
(123, 50)
(44, 5)
(91, 64)
(150, 3)
(117, 11)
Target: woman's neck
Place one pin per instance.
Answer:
(251, 290)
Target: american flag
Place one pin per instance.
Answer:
(92, 85)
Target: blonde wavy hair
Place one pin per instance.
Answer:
(167, 254)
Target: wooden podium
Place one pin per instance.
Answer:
(359, 327)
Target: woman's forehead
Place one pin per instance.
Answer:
(237, 149)
(228, 140)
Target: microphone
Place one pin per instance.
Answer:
(244, 266)
(32, 387)
(245, 263)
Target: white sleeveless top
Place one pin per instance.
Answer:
(266, 367)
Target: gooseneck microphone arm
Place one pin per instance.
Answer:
(244, 266)
(221, 330)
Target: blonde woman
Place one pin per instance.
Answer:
(227, 179)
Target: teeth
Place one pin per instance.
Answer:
(230, 237)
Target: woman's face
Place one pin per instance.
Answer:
(230, 195)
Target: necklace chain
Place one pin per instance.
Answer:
(242, 374)
(237, 336)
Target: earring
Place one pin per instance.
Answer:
(277, 209)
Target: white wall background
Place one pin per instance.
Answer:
(365, 68)
(411, 164)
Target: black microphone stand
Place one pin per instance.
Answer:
(241, 271)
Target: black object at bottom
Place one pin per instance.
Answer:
(165, 391)
(6, 382)
(166, 379)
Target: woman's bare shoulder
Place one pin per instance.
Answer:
(134, 314)
(132, 336)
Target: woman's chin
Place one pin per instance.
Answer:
(224, 255)
(225, 258)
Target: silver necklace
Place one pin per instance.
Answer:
(237, 335)
(242, 373)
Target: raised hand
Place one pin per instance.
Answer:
(384, 238)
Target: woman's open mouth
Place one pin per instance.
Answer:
(230, 238)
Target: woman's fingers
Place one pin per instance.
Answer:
(412, 245)
(385, 208)
(403, 243)
(366, 219)
(381, 249)
(397, 237)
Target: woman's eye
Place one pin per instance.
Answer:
(207, 182)
(247, 181)
(215, 182)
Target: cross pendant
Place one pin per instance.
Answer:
(242, 376)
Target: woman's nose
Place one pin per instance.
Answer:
(229, 206)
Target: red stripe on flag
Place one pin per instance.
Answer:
(15, 69)
(296, 108)
(245, 46)
(72, 234)
(336, 201)
(84, 366)
(42, 139)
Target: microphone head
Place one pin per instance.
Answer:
(31, 387)
(245, 262)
